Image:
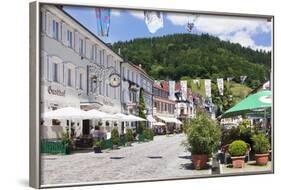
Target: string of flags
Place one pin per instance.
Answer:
(153, 21)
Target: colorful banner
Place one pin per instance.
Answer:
(230, 79)
(208, 88)
(153, 20)
(220, 86)
(183, 84)
(103, 21)
(243, 78)
(172, 90)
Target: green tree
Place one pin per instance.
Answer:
(223, 102)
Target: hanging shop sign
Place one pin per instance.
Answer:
(56, 92)
(114, 80)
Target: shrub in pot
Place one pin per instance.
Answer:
(115, 138)
(203, 139)
(148, 134)
(237, 149)
(129, 136)
(261, 148)
(97, 146)
(67, 142)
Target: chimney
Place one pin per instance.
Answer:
(119, 51)
(139, 65)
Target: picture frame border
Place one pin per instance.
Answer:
(34, 90)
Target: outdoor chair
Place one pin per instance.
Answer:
(224, 150)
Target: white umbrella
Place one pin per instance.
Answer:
(136, 118)
(124, 117)
(101, 115)
(158, 124)
(68, 113)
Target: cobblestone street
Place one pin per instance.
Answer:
(164, 157)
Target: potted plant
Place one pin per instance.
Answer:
(66, 141)
(203, 139)
(97, 146)
(115, 138)
(129, 136)
(261, 148)
(237, 149)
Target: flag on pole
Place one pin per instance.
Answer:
(153, 20)
(243, 78)
(208, 88)
(183, 84)
(103, 21)
(220, 86)
(172, 90)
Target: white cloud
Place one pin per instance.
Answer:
(115, 12)
(137, 14)
(244, 38)
(234, 29)
(178, 19)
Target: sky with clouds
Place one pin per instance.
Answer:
(129, 24)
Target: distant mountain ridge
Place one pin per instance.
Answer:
(173, 57)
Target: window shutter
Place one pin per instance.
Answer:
(65, 75)
(50, 68)
(88, 49)
(76, 41)
(76, 79)
(73, 77)
(44, 66)
(49, 24)
(64, 34)
(61, 73)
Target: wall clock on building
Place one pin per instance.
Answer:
(114, 80)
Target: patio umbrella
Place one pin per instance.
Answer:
(101, 115)
(259, 101)
(68, 113)
(158, 124)
(124, 117)
(136, 118)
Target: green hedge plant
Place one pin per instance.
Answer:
(129, 135)
(237, 148)
(115, 136)
(261, 144)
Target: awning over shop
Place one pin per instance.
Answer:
(150, 119)
(170, 120)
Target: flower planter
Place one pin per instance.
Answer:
(115, 147)
(261, 159)
(129, 143)
(199, 160)
(97, 149)
(238, 161)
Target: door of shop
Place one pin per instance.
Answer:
(86, 127)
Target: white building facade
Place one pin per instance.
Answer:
(75, 70)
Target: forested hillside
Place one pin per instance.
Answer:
(196, 56)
